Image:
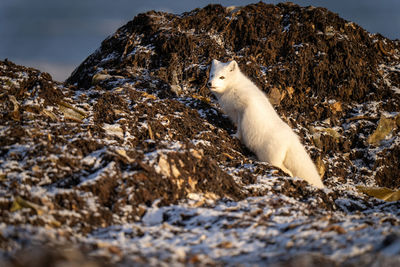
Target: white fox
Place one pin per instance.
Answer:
(258, 125)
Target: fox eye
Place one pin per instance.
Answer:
(222, 77)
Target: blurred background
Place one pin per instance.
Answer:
(57, 35)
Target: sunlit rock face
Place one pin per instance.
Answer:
(132, 160)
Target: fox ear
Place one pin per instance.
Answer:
(233, 65)
(215, 62)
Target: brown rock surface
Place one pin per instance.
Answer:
(134, 145)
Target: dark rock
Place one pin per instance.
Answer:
(135, 128)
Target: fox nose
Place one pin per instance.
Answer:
(209, 84)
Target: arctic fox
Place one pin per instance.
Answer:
(258, 125)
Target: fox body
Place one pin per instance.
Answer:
(259, 127)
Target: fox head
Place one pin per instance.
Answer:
(221, 75)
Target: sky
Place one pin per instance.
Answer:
(57, 35)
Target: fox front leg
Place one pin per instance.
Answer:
(238, 133)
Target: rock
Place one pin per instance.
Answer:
(275, 96)
(132, 160)
(99, 77)
(384, 128)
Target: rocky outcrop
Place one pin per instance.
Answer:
(134, 148)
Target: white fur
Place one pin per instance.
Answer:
(259, 126)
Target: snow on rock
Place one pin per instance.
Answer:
(131, 161)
